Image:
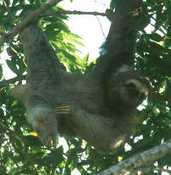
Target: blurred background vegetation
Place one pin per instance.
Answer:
(20, 149)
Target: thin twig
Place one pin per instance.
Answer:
(101, 27)
(75, 12)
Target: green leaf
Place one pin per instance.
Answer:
(12, 66)
(54, 158)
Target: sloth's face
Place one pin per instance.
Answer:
(132, 92)
(127, 88)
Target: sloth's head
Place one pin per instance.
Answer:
(126, 88)
(133, 92)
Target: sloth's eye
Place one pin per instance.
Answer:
(130, 85)
(132, 89)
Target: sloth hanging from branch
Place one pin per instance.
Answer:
(98, 106)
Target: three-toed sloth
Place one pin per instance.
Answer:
(80, 106)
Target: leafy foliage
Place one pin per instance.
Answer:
(20, 149)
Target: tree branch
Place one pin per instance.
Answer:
(38, 13)
(32, 16)
(12, 80)
(139, 160)
(75, 12)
